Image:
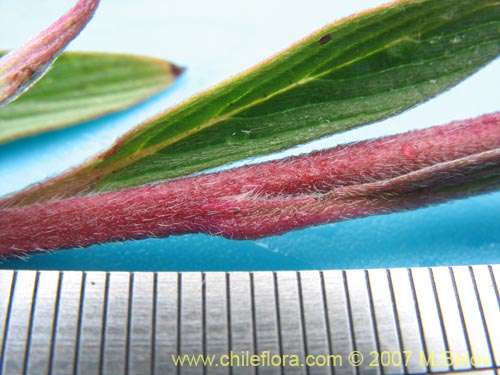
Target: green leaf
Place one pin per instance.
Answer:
(84, 86)
(353, 72)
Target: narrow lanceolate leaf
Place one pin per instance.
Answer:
(389, 174)
(356, 71)
(24, 66)
(83, 86)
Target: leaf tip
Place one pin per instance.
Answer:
(177, 70)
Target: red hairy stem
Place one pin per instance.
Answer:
(23, 67)
(385, 175)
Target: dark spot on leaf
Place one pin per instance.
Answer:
(325, 39)
(23, 75)
(236, 210)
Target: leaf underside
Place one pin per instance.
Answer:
(84, 86)
(353, 72)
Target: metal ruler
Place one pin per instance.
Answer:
(380, 321)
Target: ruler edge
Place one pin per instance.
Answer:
(494, 272)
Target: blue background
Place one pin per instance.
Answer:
(215, 40)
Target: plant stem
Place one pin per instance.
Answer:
(389, 174)
(21, 68)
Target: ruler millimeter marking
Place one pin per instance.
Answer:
(401, 321)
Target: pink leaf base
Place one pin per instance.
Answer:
(23, 67)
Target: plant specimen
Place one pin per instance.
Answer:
(350, 73)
